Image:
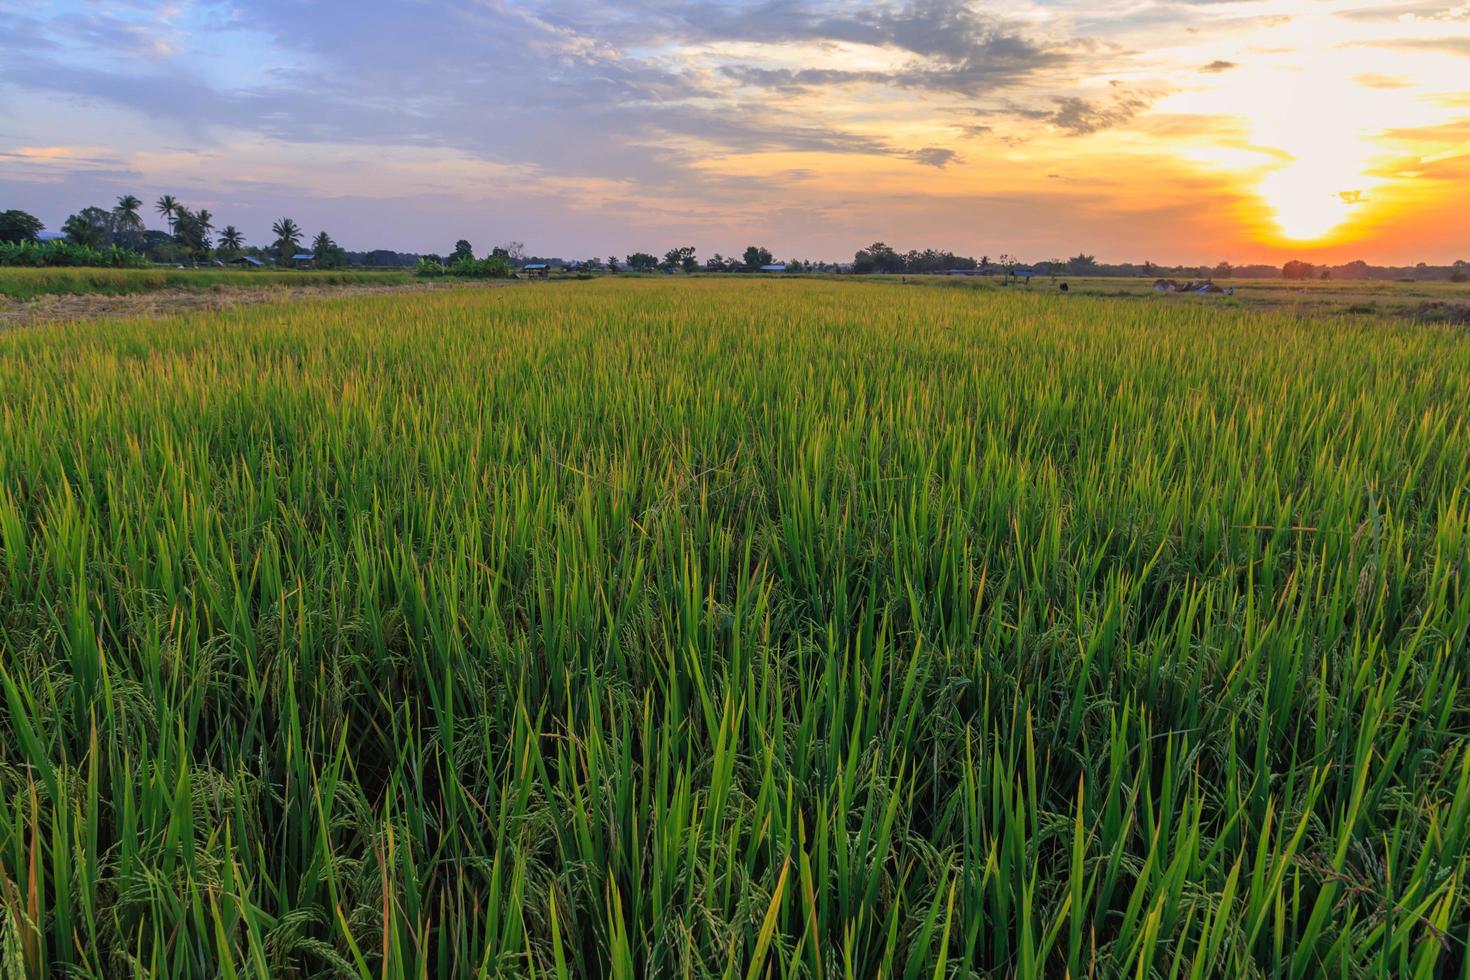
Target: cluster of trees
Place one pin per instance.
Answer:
(325, 252)
(1303, 270)
(880, 257)
(462, 263)
(191, 236)
(685, 259)
(18, 226)
(1458, 271)
(383, 258)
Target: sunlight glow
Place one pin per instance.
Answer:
(1306, 209)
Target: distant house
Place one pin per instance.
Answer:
(303, 260)
(774, 267)
(247, 262)
(50, 236)
(539, 270)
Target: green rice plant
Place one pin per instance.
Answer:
(28, 283)
(710, 628)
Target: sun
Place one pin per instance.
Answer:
(1325, 178)
(1308, 206)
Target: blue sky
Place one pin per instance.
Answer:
(1140, 129)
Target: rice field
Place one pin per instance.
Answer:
(752, 629)
(28, 283)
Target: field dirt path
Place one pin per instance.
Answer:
(166, 302)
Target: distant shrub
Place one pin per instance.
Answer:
(495, 267)
(39, 255)
(466, 267)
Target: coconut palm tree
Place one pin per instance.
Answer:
(231, 241)
(168, 206)
(126, 220)
(205, 221)
(190, 233)
(326, 251)
(288, 238)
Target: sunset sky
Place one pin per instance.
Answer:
(1236, 130)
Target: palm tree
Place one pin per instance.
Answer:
(325, 250)
(168, 206)
(205, 221)
(190, 232)
(288, 238)
(230, 240)
(126, 220)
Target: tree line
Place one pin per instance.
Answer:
(191, 237)
(118, 236)
(684, 258)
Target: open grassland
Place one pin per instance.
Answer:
(24, 284)
(762, 628)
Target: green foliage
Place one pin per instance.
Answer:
(883, 258)
(766, 628)
(192, 232)
(89, 228)
(127, 222)
(877, 257)
(755, 257)
(288, 239)
(329, 255)
(167, 207)
(231, 242)
(497, 266)
(67, 253)
(641, 262)
(682, 258)
(18, 226)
